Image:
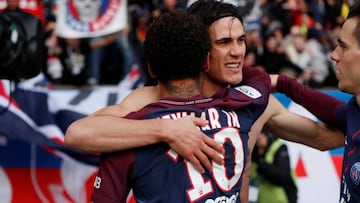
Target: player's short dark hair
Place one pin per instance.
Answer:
(355, 13)
(210, 11)
(176, 46)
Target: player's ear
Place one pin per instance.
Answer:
(151, 72)
(207, 63)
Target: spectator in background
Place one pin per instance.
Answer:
(273, 12)
(140, 14)
(317, 9)
(254, 40)
(274, 59)
(120, 47)
(307, 52)
(301, 16)
(314, 60)
(164, 6)
(73, 62)
(275, 29)
(250, 59)
(276, 10)
(170, 6)
(72, 56)
(333, 14)
(271, 173)
(115, 68)
(54, 69)
(293, 43)
(84, 58)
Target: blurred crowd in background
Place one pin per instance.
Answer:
(292, 37)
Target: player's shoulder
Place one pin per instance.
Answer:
(152, 91)
(256, 78)
(140, 97)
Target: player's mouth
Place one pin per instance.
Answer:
(233, 65)
(337, 70)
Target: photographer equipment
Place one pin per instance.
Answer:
(22, 53)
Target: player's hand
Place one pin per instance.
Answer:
(186, 139)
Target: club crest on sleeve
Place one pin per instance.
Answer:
(249, 91)
(355, 173)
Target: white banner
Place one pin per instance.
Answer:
(90, 18)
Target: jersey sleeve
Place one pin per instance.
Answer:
(254, 91)
(255, 84)
(256, 78)
(113, 181)
(327, 108)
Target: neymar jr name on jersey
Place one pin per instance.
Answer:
(217, 118)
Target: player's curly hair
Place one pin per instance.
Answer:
(176, 46)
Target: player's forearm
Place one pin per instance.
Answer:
(110, 133)
(296, 128)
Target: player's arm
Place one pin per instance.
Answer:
(325, 107)
(106, 131)
(297, 128)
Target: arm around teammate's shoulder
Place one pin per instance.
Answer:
(106, 130)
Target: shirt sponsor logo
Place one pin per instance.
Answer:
(249, 91)
(224, 199)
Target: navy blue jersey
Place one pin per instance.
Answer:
(156, 173)
(350, 181)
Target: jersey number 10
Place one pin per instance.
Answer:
(203, 187)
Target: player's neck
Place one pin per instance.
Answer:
(184, 88)
(209, 87)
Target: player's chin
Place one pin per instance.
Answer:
(345, 86)
(235, 80)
